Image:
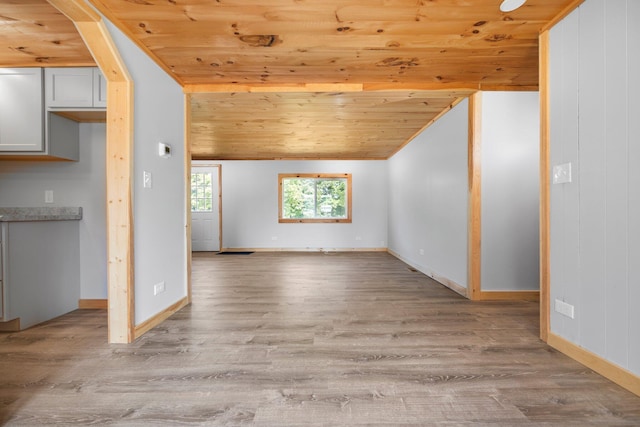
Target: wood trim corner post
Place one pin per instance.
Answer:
(545, 239)
(119, 165)
(187, 180)
(474, 223)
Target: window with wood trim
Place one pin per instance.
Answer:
(314, 197)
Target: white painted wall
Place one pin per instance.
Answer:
(250, 206)
(82, 183)
(160, 211)
(510, 147)
(595, 220)
(428, 189)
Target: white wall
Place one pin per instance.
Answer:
(160, 211)
(428, 198)
(510, 147)
(82, 183)
(595, 219)
(250, 206)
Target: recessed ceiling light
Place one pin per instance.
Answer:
(511, 5)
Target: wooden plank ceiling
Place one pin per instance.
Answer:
(330, 79)
(35, 34)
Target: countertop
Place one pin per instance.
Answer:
(40, 214)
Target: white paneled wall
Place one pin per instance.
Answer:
(159, 211)
(510, 147)
(250, 207)
(428, 190)
(595, 219)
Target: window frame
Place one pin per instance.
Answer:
(201, 187)
(283, 176)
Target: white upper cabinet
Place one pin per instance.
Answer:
(21, 110)
(78, 87)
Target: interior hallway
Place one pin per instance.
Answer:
(307, 339)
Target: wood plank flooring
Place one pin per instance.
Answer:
(307, 339)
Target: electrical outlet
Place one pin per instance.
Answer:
(564, 309)
(158, 288)
(358, 238)
(48, 196)
(562, 173)
(274, 238)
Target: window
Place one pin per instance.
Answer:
(314, 197)
(201, 192)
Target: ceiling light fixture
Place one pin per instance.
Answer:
(511, 5)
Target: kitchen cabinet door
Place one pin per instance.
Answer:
(21, 110)
(69, 87)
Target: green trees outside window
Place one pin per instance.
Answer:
(315, 198)
(201, 192)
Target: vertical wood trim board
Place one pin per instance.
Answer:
(545, 243)
(474, 223)
(119, 165)
(220, 205)
(187, 180)
(120, 211)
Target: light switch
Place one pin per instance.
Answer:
(147, 181)
(562, 173)
(164, 150)
(48, 196)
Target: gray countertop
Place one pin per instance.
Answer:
(40, 214)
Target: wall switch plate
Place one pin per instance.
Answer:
(48, 196)
(564, 309)
(147, 180)
(358, 238)
(164, 150)
(158, 288)
(562, 173)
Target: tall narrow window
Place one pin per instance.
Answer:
(314, 198)
(201, 192)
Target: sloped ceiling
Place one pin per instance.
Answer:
(306, 78)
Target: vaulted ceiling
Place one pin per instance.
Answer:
(305, 78)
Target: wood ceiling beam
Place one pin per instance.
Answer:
(464, 88)
(119, 168)
(461, 89)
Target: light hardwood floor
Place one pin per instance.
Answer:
(308, 339)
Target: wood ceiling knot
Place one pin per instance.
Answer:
(398, 62)
(498, 37)
(261, 40)
(142, 2)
